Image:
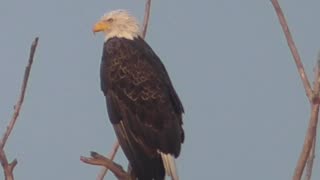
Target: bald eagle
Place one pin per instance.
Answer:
(142, 105)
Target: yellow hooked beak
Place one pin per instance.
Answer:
(100, 26)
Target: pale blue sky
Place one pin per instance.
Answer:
(246, 110)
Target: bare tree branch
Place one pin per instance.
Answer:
(18, 105)
(115, 148)
(308, 141)
(293, 49)
(310, 160)
(314, 136)
(97, 159)
(8, 167)
(313, 97)
(146, 18)
(111, 155)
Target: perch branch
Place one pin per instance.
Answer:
(115, 148)
(97, 159)
(111, 155)
(8, 167)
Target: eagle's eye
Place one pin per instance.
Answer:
(110, 20)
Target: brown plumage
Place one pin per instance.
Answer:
(143, 106)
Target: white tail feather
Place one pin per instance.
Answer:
(169, 165)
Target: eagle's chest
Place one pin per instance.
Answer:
(126, 70)
(115, 58)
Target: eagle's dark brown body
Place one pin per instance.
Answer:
(142, 105)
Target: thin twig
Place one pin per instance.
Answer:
(314, 140)
(18, 105)
(146, 18)
(115, 148)
(8, 167)
(97, 159)
(293, 50)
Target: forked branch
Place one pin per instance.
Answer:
(8, 167)
(111, 155)
(313, 96)
(313, 122)
(99, 160)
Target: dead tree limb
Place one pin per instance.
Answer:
(111, 155)
(311, 94)
(314, 121)
(309, 167)
(99, 160)
(312, 129)
(293, 49)
(18, 105)
(115, 148)
(8, 167)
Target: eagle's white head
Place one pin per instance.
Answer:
(118, 23)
